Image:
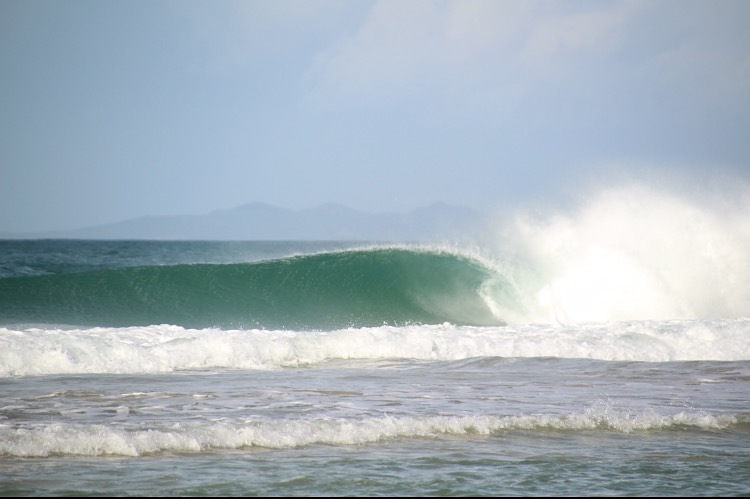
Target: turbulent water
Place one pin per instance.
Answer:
(606, 351)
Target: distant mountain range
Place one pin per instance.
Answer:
(259, 221)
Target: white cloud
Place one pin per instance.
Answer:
(233, 34)
(402, 46)
(395, 46)
(592, 34)
(470, 50)
(483, 27)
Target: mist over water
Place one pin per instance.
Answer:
(633, 253)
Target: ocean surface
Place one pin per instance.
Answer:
(591, 366)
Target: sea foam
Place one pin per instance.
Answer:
(63, 439)
(634, 253)
(165, 348)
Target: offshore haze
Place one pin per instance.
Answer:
(111, 111)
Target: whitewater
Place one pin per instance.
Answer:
(599, 349)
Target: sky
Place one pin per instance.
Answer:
(117, 110)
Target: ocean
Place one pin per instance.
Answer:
(578, 365)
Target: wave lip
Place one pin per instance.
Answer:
(352, 288)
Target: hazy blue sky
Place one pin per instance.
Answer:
(116, 109)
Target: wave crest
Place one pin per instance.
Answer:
(60, 439)
(353, 288)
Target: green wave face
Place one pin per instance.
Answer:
(322, 291)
